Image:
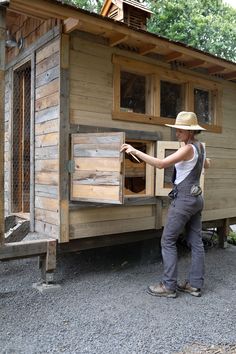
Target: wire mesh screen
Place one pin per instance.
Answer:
(21, 139)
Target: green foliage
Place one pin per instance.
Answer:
(232, 238)
(208, 25)
(90, 5)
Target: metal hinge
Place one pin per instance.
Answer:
(70, 166)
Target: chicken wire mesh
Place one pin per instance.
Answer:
(21, 139)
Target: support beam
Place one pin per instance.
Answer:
(45, 249)
(71, 24)
(2, 113)
(117, 39)
(173, 56)
(25, 249)
(194, 63)
(215, 69)
(147, 48)
(230, 76)
(223, 232)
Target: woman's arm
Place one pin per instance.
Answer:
(182, 154)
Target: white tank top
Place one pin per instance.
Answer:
(183, 168)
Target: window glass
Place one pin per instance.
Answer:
(132, 92)
(171, 99)
(203, 106)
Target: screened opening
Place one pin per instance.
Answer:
(172, 99)
(133, 91)
(21, 139)
(203, 105)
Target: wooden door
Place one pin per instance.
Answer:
(98, 167)
(163, 176)
(21, 139)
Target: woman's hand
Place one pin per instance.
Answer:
(129, 149)
(207, 163)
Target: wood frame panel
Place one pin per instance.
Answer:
(157, 74)
(162, 146)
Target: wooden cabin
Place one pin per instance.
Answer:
(77, 85)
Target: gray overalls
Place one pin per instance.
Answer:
(185, 212)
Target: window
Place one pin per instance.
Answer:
(138, 175)
(172, 99)
(100, 173)
(133, 89)
(147, 93)
(203, 105)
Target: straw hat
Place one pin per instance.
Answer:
(186, 121)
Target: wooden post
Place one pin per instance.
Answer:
(47, 262)
(2, 114)
(223, 232)
(64, 139)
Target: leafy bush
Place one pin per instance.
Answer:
(232, 238)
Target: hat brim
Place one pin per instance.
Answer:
(185, 127)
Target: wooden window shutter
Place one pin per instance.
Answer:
(163, 183)
(98, 175)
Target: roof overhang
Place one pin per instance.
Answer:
(117, 33)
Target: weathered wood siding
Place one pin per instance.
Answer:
(91, 103)
(30, 29)
(220, 186)
(47, 114)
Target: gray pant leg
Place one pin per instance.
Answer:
(194, 239)
(174, 226)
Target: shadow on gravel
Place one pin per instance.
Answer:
(112, 258)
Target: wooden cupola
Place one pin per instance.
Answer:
(131, 12)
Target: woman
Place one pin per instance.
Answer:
(185, 209)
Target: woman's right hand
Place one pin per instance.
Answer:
(129, 149)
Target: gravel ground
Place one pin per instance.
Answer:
(102, 306)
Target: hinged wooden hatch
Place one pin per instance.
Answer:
(98, 175)
(164, 176)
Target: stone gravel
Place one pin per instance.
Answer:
(102, 305)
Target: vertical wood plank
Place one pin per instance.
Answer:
(64, 141)
(223, 232)
(2, 114)
(32, 144)
(116, 84)
(10, 129)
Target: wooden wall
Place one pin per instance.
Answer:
(220, 186)
(42, 49)
(47, 114)
(30, 29)
(91, 103)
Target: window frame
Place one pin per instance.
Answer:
(150, 171)
(162, 146)
(158, 74)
